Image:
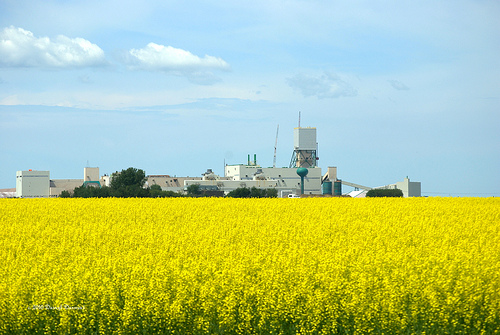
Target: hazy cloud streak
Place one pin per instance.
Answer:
(20, 48)
(396, 84)
(328, 85)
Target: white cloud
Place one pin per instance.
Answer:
(11, 100)
(160, 57)
(20, 48)
(156, 57)
(328, 85)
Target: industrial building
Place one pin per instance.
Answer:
(285, 180)
(8, 193)
(409, 188)
(303, 176)
(37, 184)
(33, 184)
(167, 182)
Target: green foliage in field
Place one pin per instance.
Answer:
(244, 192)
(380, 192)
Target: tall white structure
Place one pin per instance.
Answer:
(305, 148)
(33, 184)
(409, 188)
(91, 176)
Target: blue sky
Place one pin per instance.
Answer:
(394, 88)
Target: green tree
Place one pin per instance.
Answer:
(381, 192)
(156, 192)
(170, 194)
(82, 192)
(65, 194)
(257, 192)
(241, 192)
(128, 177)
(103, 192)
(155, 187)
(86, 191)
(271, 193)
(193, 190)
(253, 192)
(129, 183)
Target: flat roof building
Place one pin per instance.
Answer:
(33, 184)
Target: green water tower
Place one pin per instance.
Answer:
(302, 172)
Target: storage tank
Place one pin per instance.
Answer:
(337, 187)
(326, 188)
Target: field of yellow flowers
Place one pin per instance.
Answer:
(250, 266)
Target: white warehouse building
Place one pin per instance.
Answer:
(32, 184)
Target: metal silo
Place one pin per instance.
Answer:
(326, 188)
(337, 187)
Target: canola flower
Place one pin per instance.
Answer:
(250, 266)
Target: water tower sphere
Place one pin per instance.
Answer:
(302, 172)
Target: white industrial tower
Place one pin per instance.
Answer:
(305, 148)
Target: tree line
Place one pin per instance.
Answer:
(130, 183)
(381, 192)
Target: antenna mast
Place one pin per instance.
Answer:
(275, 145)
(299, 119)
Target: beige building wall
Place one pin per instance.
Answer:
(59, 185)
(91, 174)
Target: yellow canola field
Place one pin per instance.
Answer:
(250, 266)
